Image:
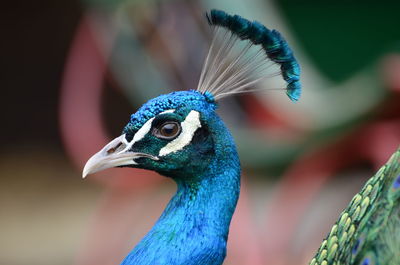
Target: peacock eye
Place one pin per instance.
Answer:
(167, 130)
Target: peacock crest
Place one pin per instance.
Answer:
(231, 68)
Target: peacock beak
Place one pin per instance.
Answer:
(116, 153)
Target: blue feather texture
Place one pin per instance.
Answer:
(193, 229)
(190, 99)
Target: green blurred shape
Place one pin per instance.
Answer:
(343, 36)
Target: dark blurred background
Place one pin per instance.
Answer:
(73, 71)
(36, 37)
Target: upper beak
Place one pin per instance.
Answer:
(115, 153)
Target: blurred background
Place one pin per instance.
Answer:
(73, 71)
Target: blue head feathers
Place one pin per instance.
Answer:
(225, 78)
(190, 99)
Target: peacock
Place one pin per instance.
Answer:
(180, 136)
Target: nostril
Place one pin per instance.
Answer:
(113, 149)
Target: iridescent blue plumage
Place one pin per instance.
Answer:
(275, 46)
(194, 227)
(169, 101)
(180, 136)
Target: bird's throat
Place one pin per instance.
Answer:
(195, 222)
(193, 229)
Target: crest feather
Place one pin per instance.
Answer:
(240, 55)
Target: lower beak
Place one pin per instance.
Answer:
(115, 153)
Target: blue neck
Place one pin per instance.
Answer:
(193, 229)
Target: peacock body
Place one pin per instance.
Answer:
(180, 136)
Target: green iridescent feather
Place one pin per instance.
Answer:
(368, 230)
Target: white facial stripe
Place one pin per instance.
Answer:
(189, 127)
(167, 111)
(139, 134)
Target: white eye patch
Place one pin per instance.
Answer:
(141, 133)
(138, 135)
(189, 127)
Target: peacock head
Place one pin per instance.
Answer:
(178, 134)
(171, 134)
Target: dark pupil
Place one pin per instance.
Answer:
(169, 129)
